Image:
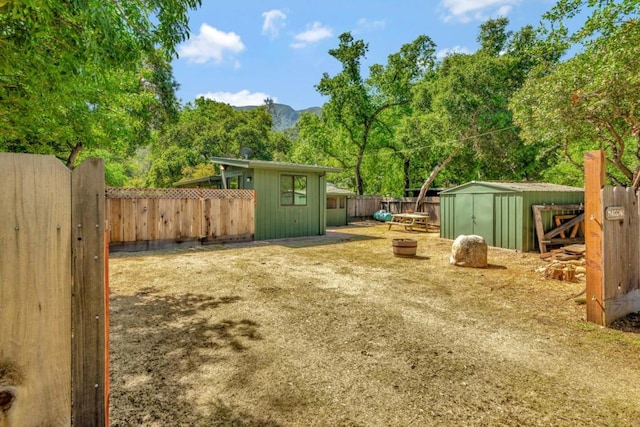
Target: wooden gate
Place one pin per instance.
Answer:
(612, 237)
(52, 300)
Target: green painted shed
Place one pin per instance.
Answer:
(501, 211)
(337, 205)
(291, 197)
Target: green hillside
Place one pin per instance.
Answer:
(284, 116)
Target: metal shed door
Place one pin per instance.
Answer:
(474, 215)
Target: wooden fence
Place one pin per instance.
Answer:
(612, 234)
(53, 342)
(363, 206)
(148, 218)
(366, 206)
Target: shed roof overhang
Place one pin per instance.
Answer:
(213, 179)
(515, 187)
(264, 164)
(333, 190)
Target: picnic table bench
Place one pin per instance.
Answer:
(410, 221)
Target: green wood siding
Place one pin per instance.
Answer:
(338, 215)
(274, 221)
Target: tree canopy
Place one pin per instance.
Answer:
(357, 105)
(589, 101)
(94, 78)
(208, 129)
(87, 74)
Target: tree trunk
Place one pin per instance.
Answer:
(359, 184)
(407, 170)
(75, 151)
(432, 176)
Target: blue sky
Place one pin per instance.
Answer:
(243, 51)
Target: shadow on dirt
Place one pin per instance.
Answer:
(629, 323)
(331, 238)
(156, 362)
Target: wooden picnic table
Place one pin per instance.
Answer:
(410, 221)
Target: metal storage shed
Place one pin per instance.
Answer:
(501, 211)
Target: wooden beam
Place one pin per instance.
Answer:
(89, 342)
(563, 227)
(537, 219)
(594, 180)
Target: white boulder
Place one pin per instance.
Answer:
(469, 251)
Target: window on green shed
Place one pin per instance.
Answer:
(293, 190)
(332, 203)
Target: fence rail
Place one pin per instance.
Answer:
(141, 219)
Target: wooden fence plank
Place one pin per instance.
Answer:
(153, 220)
(142, 219)
(88, 304)
(35, 289)
(129, 220)
(222, 220)
(621, 254)
(594, 165)
(165, 207)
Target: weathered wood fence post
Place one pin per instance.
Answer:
(53, 339)
(594, 169)
(89, 354)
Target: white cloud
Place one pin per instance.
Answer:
(211, 44)
(457, 49)
(314, 33)
(479, 10)
(273, 22)
(365, 25)
(238, 99)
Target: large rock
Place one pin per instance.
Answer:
(469, 251)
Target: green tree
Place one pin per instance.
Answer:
(357, 105)
(462, 110)
(208, 129)
(589, 102)
(88, 74)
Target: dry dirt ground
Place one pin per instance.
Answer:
(336, 331)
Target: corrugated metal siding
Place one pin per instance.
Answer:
(274, 221)
(513, 225)
(507, 221)
(447, 215)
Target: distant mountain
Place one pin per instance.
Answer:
(284, 116)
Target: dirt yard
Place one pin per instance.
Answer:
(336, 331)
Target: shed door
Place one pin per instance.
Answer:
(463, 214)
(474, 215)
(483, 216)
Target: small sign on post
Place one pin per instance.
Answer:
(614, 213)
